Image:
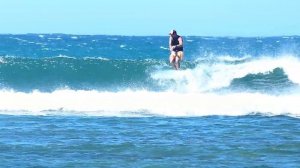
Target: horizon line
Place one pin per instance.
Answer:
(80, 34)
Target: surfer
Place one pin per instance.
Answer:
(176, 48)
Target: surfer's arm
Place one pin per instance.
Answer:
(180, 42)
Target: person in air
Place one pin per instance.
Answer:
(176, 48)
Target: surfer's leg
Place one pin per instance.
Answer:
(173, 59)
(172, 56)
(179, 58)
(176, 61)
(180, 54)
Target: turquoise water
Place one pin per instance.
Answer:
(214, 141)
(115, 101)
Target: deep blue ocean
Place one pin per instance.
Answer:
(114, 101)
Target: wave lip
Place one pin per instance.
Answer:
(280, 71)
(141, 103)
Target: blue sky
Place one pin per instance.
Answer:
(152, 17)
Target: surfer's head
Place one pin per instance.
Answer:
(173, 32)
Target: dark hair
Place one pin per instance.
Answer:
(172, 32)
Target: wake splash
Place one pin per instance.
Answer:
(146, 103)
(220, 74)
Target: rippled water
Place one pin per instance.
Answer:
(214, 141)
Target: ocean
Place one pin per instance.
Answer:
(115, 101)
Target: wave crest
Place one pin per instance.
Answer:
(216, 75)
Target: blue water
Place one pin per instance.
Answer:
(214, 141)
(114, 101)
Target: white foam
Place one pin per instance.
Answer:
(65, 56)
(56, 38)
(137, 103)
(2, 61)
(96, 58)
(206, 77)
(47, 49)
(164, 48)
(232, 59)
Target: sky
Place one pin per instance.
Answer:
(152, 17)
